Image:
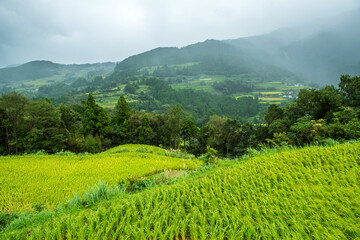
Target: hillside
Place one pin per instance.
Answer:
(211, 57)
(32, 75)
(310, 193)
(213, 67)
(210, 69)
(318, 52)
(272, 67)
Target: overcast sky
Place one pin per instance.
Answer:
(81, 31)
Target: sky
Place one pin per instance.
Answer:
(88, 31)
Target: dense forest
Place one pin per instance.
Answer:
(29, 126)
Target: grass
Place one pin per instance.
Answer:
(135, 148)
(310, 193)
(26, 181)
(271, 99)
(261, 89)
(271, 93)
(64, 72)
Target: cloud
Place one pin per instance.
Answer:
(110, 30)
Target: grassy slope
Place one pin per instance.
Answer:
(32, 75)
(135, 148)
(308, 193)
(51, 179)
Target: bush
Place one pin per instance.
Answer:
(92, 144)
(98, 193)
(65, 153)
(328, 142)
(6, 219)
(210, 156)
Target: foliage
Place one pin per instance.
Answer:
(46, 130)
(13, 105)
(122, 111)
(230, 87)
(174, 119)
(91, 144)
(272, 113)
(210, 156)
(96, 120)
(134, 148)
(319, 103)
(350, 89)
(146, 132)
(315, 115)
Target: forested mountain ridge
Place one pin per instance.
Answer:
(210, 57)
(28, 71)
(38, 73)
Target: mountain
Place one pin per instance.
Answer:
(318, 52)
(211, 57)
(38, 70)
(29, 71)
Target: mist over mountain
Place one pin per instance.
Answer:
(46, 69)
(211, 57)
(317, 52)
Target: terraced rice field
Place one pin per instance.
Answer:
(311, 193)
(26, 181)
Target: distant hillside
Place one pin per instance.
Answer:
(170, 56)
(29, 71)
(318, 52)
(211, 57)
(36, 70)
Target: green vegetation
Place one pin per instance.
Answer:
(152, 114)
(206, 120)
(298, 194)
(317, 115)
(50, 79)
(30, 180)
(211, 72)
(135, 148)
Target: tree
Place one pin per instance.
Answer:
(231, 133)
(350, 89)
(13, 105)
(122, 111)
(278, 126)
(69, 117)
(72, 123)
(319, 103)
(146, 132)
(308, 130)
(96, 121)
(189, 131)
(120, 122)
(4, 132)
(174, 119)
(273, 113)
(217, 133)
(129, 88)
(45, 129)
(345, 124)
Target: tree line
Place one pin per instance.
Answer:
(29, 126)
